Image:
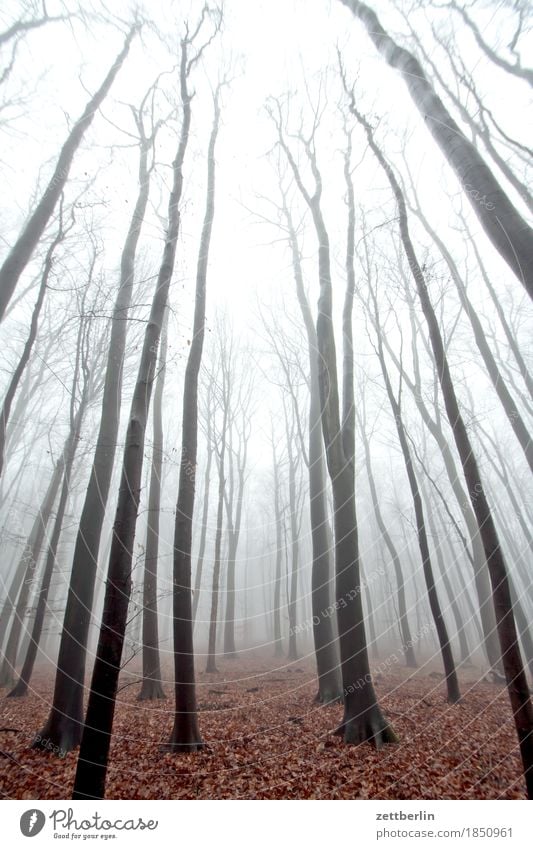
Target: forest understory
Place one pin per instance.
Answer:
(267, 739)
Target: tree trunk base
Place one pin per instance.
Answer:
(7, 679)
(59, 736)
(328, 695)
(19, 690)
(368, 727)
(151, 689)
(185, 737)
(211, 667)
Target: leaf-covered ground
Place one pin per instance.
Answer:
(266, 739)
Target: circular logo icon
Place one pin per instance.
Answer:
(32, 822)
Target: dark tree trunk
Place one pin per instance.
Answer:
(278, 642)
(452, 683)
(405, 631)
(503, 224)
(511, 411)
(152, 686)
(32, 335)
(32, 548)
(185, 735)
(94, 751)
(21, 687)
(22, 251)
(326, 647)
(363, 719)
(477, 558)
(205, 511)
(63, 727)
(517, 685)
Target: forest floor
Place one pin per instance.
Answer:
(266, 739)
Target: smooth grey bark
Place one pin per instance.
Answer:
(509, 335)
(477, 558)
(405, 631)
(278, 643)
(454, 606)
(363, 719)
(185, 735)
(326, 648)
(32, 335)
(221, 456)
(76, 421)
(205, 509)
(63, 727)
(517, 685)
(292, 653)
(452, 683)
(94, 751)
(500, 387)
(510, 234)
(152, 686)
(234, 530)
(22, 251)
(22, 580)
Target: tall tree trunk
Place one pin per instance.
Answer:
(363, 719)
(63, 727)
(94, 751)
(185, 735)
(22, 251)
(205, 511)
(503, 224)
(32, 335)
(21, 687)
(278, 643)
(152, 687)
(452, 684)
(212, 642)
(510, 408)
(326, 647)
(517, 684)
(32, 548)
(407, 642)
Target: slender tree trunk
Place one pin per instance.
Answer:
(22, 251)
(326, 647)
(510, 408)
(278, 643)
(503, 224)
(205, 512)
(94, 751)
(21, 687)
(517, 685)
(212, 643)
(363, 719)
(32, 335)
(185, 735)
(452, 684)
(405, 631)
(152, 686)
(63, 727)
(32, 548)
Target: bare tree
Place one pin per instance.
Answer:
(503, 224)
(517, 685)
(22, 251)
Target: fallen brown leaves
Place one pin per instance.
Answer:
(266, 739)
